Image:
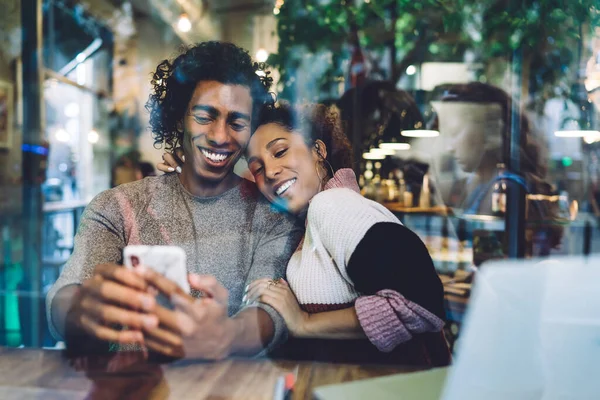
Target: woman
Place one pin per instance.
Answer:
(478, 116)
(359, 274)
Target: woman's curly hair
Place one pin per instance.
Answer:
(314, 122)
(174, 82)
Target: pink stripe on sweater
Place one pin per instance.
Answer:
(389, 319)
(343, 178)
(132, 232)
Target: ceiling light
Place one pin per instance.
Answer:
(395, 146)
(373, 156)
(420, 133)
(385, 152)
(183, 23)
(575, 133)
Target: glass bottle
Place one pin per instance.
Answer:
(425, 195)
(407, 197)
(499, 193)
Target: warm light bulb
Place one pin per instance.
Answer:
(592, 137)
(62, 135)
(411, 70)
(276, 11)
(93, 137)
(184, 24)
(262, 55)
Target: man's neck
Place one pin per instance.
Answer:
(204, 188)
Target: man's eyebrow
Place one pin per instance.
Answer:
(209, 109)
(233, 115)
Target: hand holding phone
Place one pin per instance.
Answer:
(169, 261)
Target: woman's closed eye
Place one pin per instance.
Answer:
(256, 169)
(280, 153)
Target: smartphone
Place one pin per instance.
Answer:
(169, 261)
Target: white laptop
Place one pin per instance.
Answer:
(532, 332)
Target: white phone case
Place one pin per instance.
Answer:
(169, 261)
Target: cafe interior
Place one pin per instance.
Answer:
(476, 123)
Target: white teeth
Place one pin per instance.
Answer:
(285, 187)
(215, 157)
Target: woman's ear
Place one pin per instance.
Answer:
(320, 149)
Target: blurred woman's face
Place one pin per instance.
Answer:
(284, 167)
(466, 142)
(473, 131)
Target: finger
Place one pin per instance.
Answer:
(273, 300)
(116, 293)
(164, 336)
(265, 288)
(179, 153)
(210, 286)
(164, 167)
(121, 274)
(171, 160)
(164, 348)
(111, 314)
(177, 321)
(196, 311)
(255, 292)
(109, 334)
(163, 284)
(256, 283)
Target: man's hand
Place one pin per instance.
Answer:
(113, 297)
(197, 328)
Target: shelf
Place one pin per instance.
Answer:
(436, 210)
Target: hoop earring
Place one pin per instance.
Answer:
(329, 165)
(321, 179)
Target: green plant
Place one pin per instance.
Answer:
(548, 32)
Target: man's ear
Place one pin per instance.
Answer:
(320, 149)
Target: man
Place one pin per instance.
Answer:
(204, 101)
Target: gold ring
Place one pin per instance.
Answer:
(272, 282)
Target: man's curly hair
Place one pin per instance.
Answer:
(174, 82)
(314, 122)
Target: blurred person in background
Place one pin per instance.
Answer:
(476, 119)
(126, 168)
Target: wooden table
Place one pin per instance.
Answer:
(37, 374)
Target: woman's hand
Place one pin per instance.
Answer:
(277, 294)
(172, 161)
